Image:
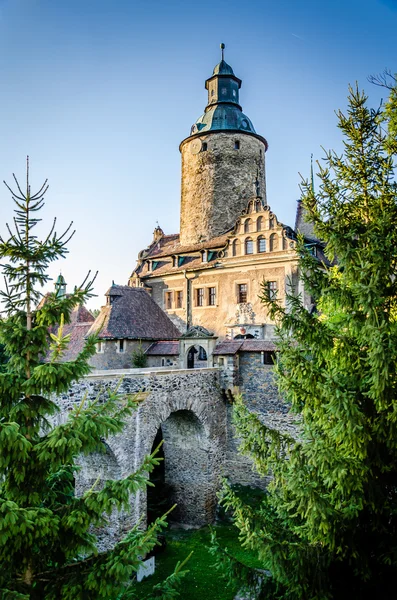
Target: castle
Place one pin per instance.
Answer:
(192, 307)
(208, 278)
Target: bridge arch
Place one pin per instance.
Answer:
(184, 478)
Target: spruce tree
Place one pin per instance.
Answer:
(327, 525)
(48, 548)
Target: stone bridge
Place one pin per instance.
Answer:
(186, 408)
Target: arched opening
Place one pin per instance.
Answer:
(197, 357)
(259, 224)
(247, 225)
(185, 478)
(249, 246)
(273, 242)
(158, 497)
(246, 336)
(261, 244)
(236, 247)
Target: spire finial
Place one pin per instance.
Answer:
(311, 173)
(223, 50)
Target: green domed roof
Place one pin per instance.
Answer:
(223, 111)
(223, 68)
(222, 118)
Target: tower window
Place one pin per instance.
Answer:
(178, 299)
(237, 145)
(212, 92)
(261, 244)
(204, 146)
(272, 289)
(200, 297)
(168, 300)
(211, 296)
(234, 93)
(242, 293)
(249, 246)
(223, 91)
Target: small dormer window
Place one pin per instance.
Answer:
(237, 145)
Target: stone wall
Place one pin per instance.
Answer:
(110, 358)
(195, 418)
(217, 182)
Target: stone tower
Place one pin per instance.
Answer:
(223, 162)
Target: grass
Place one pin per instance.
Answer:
(203, 581)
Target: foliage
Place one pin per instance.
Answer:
(327, 526)
(139, 358)
(48, 548)
(95, 312)
(203, 581)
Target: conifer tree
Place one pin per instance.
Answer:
(327, 526)
(47, 545)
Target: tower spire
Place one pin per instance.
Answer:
(223, 50)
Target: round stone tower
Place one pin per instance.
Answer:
(223, 162)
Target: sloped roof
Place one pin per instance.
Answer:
(132, 314)
(233, 346)
(169, 244)
(163, 349)
(81, 321)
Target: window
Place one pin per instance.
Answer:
(200, 296)
(100, 347)
(234, 93)
(204, 146)
(242, 293)
(202, 354)
(249, 246)
(120, 346)
(237, 145)
(236, 247)
(261, 244)
(273, 242)
(178, 299)
(168, 300)
(268, 358)
(247, 225)
(259, 224)
(272, 289)
(211, 296)
(223, 91)
(212, 92)
(271, 223)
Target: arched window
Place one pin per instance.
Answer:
(249, 246)
(261, 244)
(236, 248)
(259, 224)
(271, 223)
(273, 242)
(285, 243)
(247, 225)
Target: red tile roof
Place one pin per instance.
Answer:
(234, 346)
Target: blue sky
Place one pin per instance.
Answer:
(100, 93)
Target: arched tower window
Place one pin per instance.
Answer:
(236, 248)
(247, 225)
(259, 224)
(273, 242)
(261, 244)
(249, 246)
